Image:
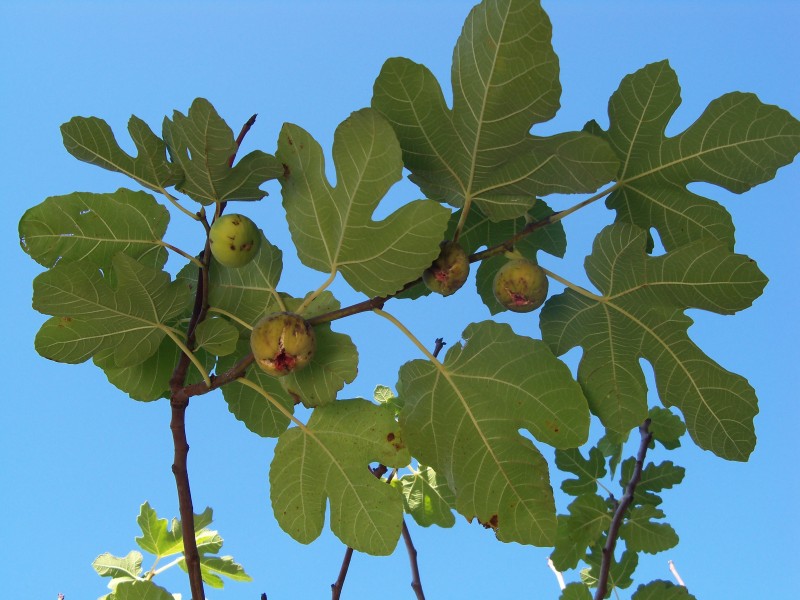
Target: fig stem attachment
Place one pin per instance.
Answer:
(573, 286)
(183, 253)
(176, 203)
(231, 316)
(315, 294)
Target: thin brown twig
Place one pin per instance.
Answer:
(416, 582)
(179, 402)
(619, 513)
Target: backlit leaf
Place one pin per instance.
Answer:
(217, 336)
(332, 227)
(463, 416)
(427, 498)
(641, 534)
(125, 309)
(108, 565)
(504, 81)
(589, 470)
(662, 590)
(640, 315)
(91, 140)
(139, 590)
(202, 144)
(328, 459)
(737, 143)
(93, 228)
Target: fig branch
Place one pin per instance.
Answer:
(619, 513)
(179, 402)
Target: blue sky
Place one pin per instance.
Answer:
(79, 457)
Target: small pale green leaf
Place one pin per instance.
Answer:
(157, 539)
(91, 140)
(265, 413)
(217, 336)
(662, 590)
(737, 143)
(383, 395)
(139, 590)
(504, 81)
(125, 309)
(93, 228)
(202, 144)
(427, 498)
(108, 565)
(329, 459)
(589, 470)
(211, 567)
(641, 315)
(641, 534)
(332, 227)
(463, 417)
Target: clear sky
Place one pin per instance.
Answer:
(79, 457)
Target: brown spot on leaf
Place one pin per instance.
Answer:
(490, 524)
(390, 437)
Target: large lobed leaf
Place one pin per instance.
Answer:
(328, 459)
(91, 140)
(202, 144)
(94, 227)
(504, 80)
(124, 309)
(332, 227)
(737, 143)
(640, 315)
(463, 417)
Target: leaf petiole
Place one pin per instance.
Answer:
(185, 349)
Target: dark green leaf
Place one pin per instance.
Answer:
(588, 470)
(641, 534)
(588, 518)
(92, 228)
(575, 591)
(662, 590)
(666, 427)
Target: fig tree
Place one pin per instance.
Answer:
(234, 240)
(520, 285)
(449, 271)
(282, 342)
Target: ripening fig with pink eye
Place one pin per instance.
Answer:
(520, 285)
(449, 271)
(234, 240)
(282, 343)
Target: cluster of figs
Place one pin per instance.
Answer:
(284, 342)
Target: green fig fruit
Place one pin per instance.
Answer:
(520, 285)
(282, 343)
(449, 271)
(234, 240)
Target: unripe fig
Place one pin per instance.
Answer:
(448, 272)
(520, 285)
(234, 240)
(282, 342)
